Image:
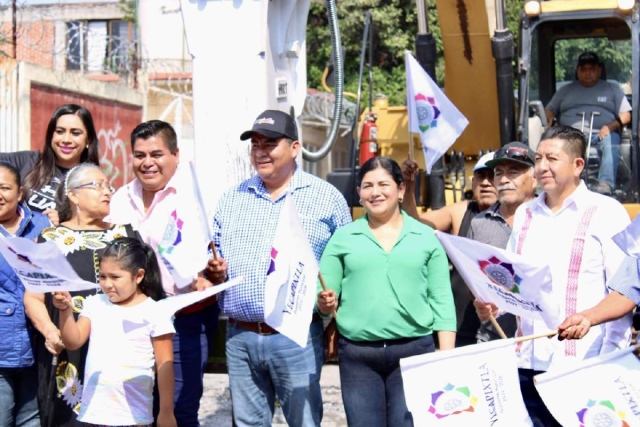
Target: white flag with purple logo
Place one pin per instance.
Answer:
(41, 267)
(601, 391)
(290, 289)
(513, 283)
(184, 246)
(476, 385)
(431, 115)
(628, 240)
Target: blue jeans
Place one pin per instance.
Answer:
(610, 148)
(371, 380)
(18, 397)
(540, 415)
(194, 333)
(262, 367)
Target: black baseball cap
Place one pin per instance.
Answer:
(273, 124)
(588, 58)
(516, 152)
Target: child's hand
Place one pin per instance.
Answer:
(62, 300)
(200, 284)
(166, 419)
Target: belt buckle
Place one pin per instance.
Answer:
(260, 329)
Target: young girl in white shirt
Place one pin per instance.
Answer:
(127, 334)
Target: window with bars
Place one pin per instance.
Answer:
(100, 46)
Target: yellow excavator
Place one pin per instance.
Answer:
(479, 55)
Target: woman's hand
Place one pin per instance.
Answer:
(62, 300)
(53, 216)
(327, 301)
(53, 343)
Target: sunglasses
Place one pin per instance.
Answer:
(97, 185)
(515, 153)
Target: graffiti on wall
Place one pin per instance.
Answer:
(115, 159)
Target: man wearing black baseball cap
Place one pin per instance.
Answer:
(264, 364)
(591, 100)
(513, 178)
(273, 124)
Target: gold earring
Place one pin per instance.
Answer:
(400, 199)
(360, 201)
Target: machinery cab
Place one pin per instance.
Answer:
(552, 36)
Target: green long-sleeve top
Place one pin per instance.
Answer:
(405, 293)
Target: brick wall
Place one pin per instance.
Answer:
(36, 42)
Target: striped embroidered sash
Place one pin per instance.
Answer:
(575, 262)
(577, 250)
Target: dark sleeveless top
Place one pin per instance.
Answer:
(467, 328)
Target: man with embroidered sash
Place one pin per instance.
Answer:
(569, 228)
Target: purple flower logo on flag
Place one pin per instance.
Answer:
(501, 273)
(427, 111)
(272, 264)
(452, 400)
(172, 234)
(23, 258)
(601, 414)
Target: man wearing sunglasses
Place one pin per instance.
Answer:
(570, 229)
(577, 104)
(514, 179)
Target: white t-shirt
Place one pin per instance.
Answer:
(119, 376)
(576, 243)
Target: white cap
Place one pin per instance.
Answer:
(482, 162)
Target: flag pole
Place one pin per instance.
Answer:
(411, 143)
(536, 336)
(497, 326)
(334, 313)
(200, 202)
(412, 156)
(493, 320)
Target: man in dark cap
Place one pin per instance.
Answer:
(513, 178)
(591, 95)
(262, 363)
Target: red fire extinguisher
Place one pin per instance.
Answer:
(369, 138)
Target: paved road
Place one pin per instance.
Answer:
(215, 406)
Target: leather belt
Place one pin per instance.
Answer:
(200, 305)
(261, 328)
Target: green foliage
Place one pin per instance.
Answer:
(130, 10)
(616, 56)
(395, 24)
(395, 27)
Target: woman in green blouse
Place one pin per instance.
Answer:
(389, 276)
